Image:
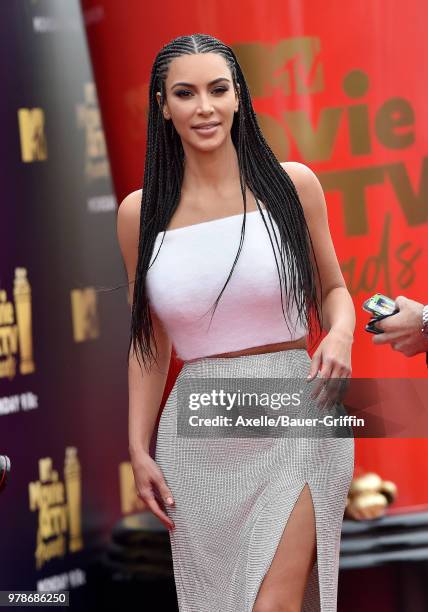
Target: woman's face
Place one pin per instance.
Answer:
(200, 99)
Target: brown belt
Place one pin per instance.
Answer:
(267, 348)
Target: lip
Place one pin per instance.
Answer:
(208, 130)
(207, 124)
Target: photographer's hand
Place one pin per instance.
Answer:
(403, 331)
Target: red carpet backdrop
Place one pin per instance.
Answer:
(341, 88)
(63, 341)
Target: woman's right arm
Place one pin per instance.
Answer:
(145, 387)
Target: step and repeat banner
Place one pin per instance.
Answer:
(63, 325)
(341, 89)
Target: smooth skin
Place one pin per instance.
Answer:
(210, 190)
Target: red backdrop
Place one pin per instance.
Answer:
(339, 88)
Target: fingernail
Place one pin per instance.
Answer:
(169, 501)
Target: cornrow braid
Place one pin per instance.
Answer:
(258, 169)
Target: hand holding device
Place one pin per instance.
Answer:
(381, 307)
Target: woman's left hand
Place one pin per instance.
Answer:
(332, 360)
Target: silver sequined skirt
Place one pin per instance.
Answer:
(234, 495)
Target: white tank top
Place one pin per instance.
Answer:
(187, 275)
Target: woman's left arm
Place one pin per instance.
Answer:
(333, 355)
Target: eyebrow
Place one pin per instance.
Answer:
(210, 83)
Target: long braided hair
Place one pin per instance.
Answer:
(258, 169)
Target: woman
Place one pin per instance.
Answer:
(254, 524)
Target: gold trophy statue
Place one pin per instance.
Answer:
(74, 498)
(22, 296)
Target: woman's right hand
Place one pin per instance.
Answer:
(146, 475)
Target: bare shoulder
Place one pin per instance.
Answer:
(130, 205)
(128, 218)
(301, 175)
(307, 185)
